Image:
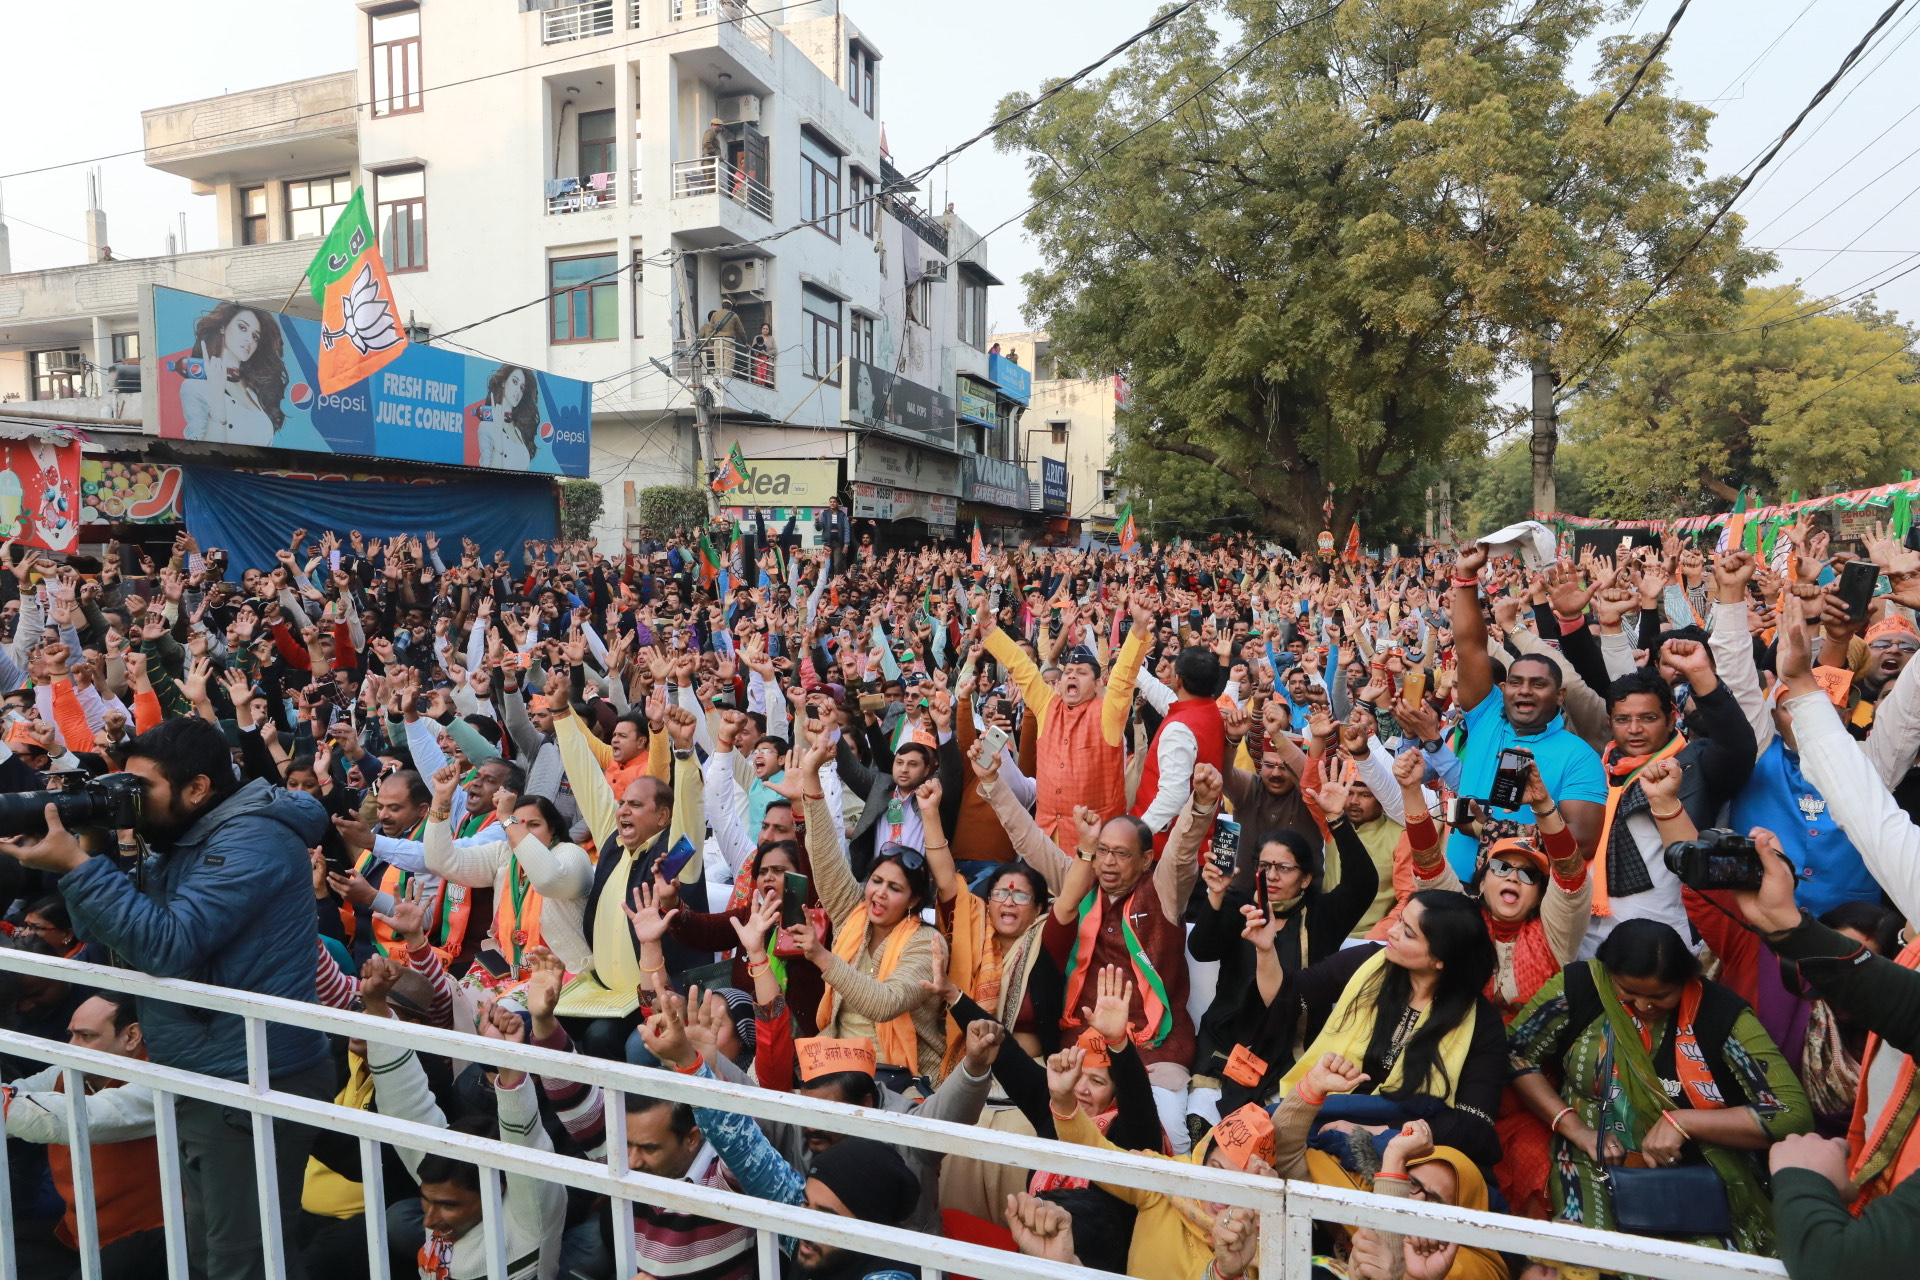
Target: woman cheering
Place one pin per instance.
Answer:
(882, 953)
(1661, 1070)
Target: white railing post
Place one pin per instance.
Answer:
(766, 1247)
(613, 1112)
(373, 1190)
(9, 1264)
(173, 1206)
(80, 1154)
(266, 1169)
(493, 1221)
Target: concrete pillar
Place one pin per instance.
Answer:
(96, 219)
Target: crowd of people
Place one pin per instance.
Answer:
(1579, 891)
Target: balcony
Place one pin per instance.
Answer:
(723, 358)
(712, 175)
(577, 22)
(301, 125)
(713, 12)
(588, 191)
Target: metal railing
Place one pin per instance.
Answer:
(741, 16)
(725, 358)
(712, 175)
(1286, 1210)
(588, 191)
(577, 22)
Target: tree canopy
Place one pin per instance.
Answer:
(1778, 396)
(1314, 241)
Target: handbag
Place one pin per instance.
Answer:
(1682, 1202)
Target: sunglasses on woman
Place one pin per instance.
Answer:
(1520, 871)
(910, 858)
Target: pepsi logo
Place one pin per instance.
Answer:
(546, 433)
(300, 394)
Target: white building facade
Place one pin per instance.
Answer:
(701, 191)
(1067, 442)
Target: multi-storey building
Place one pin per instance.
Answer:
(1067, 441)
(672, 199)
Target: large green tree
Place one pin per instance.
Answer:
(1779, 396)
(1314, 242)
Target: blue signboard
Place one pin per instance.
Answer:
(1015, 383)
(239, 374)
(1053, 486)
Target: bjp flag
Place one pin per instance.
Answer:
(978, 552)
(1129, 531)
(360, 330)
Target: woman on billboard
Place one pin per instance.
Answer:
(234, 384)
(505, 427)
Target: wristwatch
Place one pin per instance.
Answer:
(1432, 744)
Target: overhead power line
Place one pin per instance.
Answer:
(1641, 70)
(1673, 269)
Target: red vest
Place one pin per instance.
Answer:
(1202, 717)
(1075, 764)
(126, 1187)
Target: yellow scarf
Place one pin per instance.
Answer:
(896, 1041)
(1350, 1029)
(325, 1193)
(616, 961)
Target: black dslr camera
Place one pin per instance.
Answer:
(1719, 859)
(111, 802)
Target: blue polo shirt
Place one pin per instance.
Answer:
(1570, 768)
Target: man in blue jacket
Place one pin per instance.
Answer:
(227, 899)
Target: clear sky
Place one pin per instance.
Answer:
(1839, 202)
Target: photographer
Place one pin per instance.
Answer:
(226, 900)
(1813, 1178)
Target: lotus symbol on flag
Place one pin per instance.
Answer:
(366, 317)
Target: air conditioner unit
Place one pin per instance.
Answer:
(743, 275)
(933, 271)
(741, 108)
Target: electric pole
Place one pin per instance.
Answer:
(703, 425)
(1546, 434)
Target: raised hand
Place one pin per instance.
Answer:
(1087, 825)
(649, 921)
(1331, 794)
(763, 917)
(1040, 1228)
(1332, 1074)
(546, 974)
(1207, 785)
(1112, 1000)
(1063, 1078)
(409, 915)
(445, 778)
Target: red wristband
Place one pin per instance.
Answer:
(689, 1070)
(1558, 845)
(1467, 582)
(1397, 1177)
(1302, 1094)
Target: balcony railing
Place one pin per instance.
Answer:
(712, 175)
(724, 358)
(588, 191)
(744, 20)
(577, 22)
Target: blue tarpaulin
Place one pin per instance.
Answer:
(252, 516)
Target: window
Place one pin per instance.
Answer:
(973, 309)
(863, 201)
(820, 180)
(313, 204)
(126, 347)
(59, 375)
(253, 215)
(822, 311)
(598, 146)
(395, 36)
(860, 62)
(1108, 489)
(639, 287)
(920, 302)
(1059, 430)
(862, 340)
(400, 213)
(585, 306)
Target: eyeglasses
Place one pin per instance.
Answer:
(1274, 870)
(909, 857)
(1904, 646)
(1419, 1190)
(1515, 871)
(1109, 851)
(1018, 897)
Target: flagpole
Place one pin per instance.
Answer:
(293, 293)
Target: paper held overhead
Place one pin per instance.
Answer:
(1531, 540)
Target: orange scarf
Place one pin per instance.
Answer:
(516, 916)
(1618, 768)
(897, 1040)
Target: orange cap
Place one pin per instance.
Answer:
(1246, 1133)
(823, 1056)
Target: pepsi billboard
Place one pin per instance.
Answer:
(234, 373)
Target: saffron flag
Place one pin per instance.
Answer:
(1734, 535)
(360, 330)
(979, 556)
(733, 471)
(709, 558)
(1352, 555)
(1129, 531)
